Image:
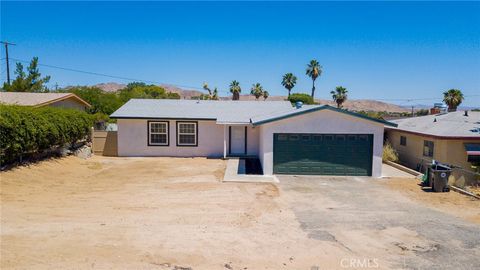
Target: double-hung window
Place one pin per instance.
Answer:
(158, 133)
(428, 148)
(187, 134)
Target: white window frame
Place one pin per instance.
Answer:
(150, 133)
(194, 133)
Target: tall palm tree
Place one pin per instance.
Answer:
(289, 80)
(314, 70)
(339, 95)
(265, 95)
(453, 98)
(235, 89)
(257, 90)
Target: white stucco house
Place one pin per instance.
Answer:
(309, 139)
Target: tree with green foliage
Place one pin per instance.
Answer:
(314, 70)
(339, 95)
(304, 98)
(265, 95)
(422, 112)
(453, 98)
(288, 81)
(142, 90)
(235, 89)
(30, 81)
(212, 94)
(104, 103)
(256, 90)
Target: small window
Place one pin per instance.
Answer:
(317, 137)
(158, 133)
(328, 137)
(363, 138)
(428, 148)
(282, 137)
(186, 133)
(403, 140)
(305, 137)
(294, 138)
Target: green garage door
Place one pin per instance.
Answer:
(323, 154)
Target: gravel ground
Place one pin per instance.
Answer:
(175, 213)
(371, 216)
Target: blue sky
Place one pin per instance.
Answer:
(377, 50)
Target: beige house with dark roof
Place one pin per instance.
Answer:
(451, 138)
(63, 100)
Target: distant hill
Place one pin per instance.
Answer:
(354, 105)
(110, 87)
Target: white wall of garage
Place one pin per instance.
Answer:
(323, 121)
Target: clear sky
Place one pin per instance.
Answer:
(377, 50)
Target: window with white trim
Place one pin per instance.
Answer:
(158, 133)
(187, 133)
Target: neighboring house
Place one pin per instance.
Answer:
(318, 139)
(64, 100)
(452, 138)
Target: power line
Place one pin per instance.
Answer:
(6, 43)
(109, 76)
(407, 100)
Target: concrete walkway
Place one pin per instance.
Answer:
(236, 172)
(390, 171)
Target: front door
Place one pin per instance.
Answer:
(237, 140)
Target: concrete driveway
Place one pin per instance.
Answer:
(381, 226)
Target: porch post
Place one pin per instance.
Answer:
(224, 141)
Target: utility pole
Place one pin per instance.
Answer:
(6, 43)
(412, 111)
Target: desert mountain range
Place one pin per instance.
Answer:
(354, 105)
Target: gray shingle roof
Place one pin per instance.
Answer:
(224, 112)
(452, 124)
(221, 111)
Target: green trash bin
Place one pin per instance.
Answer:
(438, 177)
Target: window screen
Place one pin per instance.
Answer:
(187, 133)
(158, 133)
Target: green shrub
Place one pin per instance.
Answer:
(389, 154)
(306, 99)
(26, 130)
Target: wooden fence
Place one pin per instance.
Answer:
(105, 143)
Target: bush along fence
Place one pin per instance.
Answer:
(28, 131)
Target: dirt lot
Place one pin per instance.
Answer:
(169, 213)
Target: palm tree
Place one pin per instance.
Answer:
(314, 70)
(289, 80)
(453, 98)
(256, 90)
(235, 89)
(339, 95)
(265, 95)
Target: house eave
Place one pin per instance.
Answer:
(324, 107)
(434, 136)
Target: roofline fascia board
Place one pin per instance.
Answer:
(324, 107)
(70, 95)
(159, 118)
(234, 123)
(436, 136)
